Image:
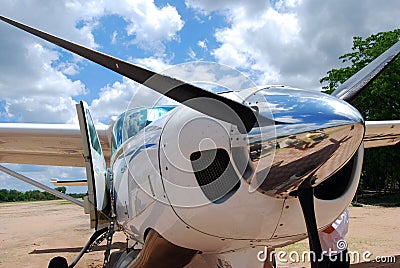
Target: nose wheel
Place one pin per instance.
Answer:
(58, 262)
(96, 238)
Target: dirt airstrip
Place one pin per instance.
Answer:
(32, 233)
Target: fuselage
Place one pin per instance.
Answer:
(203, 185)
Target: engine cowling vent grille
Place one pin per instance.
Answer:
(215, 174)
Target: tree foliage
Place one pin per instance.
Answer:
(380, 101)
(61, 189)
(34, 195)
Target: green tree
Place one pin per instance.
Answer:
(380, 101)
(61, 189)
(3, 195)
(14, 195)
(32, 195)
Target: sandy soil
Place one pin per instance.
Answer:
(33, 233)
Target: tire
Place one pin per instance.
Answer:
(58, 262)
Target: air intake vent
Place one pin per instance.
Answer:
(336, 185)
(215, 174)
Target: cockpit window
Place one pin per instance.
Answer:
(131, 122)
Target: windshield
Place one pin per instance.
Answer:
(131, 122)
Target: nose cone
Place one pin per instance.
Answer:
(319, 134)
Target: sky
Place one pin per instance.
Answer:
(293, 42)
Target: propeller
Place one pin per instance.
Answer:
(192, 96)
(352, 87)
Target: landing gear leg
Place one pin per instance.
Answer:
(94, 240)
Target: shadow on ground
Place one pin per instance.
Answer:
(116, 245)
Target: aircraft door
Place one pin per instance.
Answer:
(97, 203)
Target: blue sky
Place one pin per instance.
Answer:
(292, 42)
(195, 43)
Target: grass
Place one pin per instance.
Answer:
(65, 202)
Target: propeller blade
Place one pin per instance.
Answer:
(192, 96)
(306, 198)
(353, 86)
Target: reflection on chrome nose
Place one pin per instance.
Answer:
(322, 133)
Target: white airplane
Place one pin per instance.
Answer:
(214, 179)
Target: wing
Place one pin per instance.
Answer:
(46, 144)
(381, 133)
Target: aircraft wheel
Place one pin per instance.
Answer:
(122, 259)
(114, 257)
(58, 262)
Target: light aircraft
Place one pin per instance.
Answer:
(215, 178)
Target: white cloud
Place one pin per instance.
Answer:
(284, 5)
(203, 44)
(36, 89)
(113, 99)
(149, 25)
(294, 42)
(228, 54)
(209, 6)
(44, 110)
(116, 98)
(191, 54)
(114, 37)
(157, 64)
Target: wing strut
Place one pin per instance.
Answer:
(40, 186)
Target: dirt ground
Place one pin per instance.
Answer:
(33, 233)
